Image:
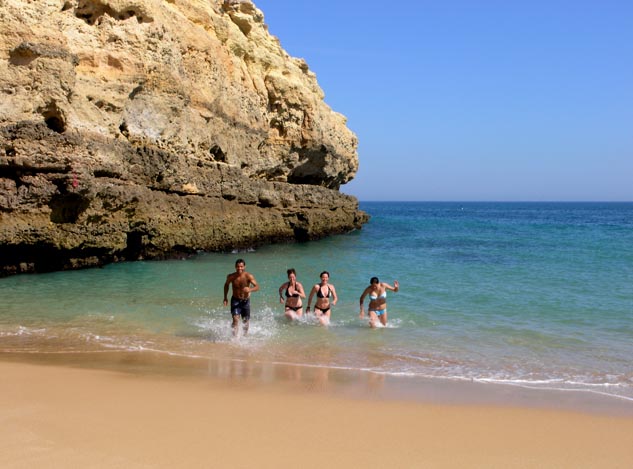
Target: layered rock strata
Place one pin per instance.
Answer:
(146, 129)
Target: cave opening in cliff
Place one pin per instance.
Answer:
(134, 245)
(217, 154)
(53, 117)
(22, 258)
(91, 11)
(301, 233)
(66, 208)
(55, 124)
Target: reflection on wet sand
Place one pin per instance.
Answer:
(375, 382)
(294, 378)
(312, 378)
(298, 377)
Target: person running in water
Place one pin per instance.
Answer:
(293, 292)
(377, 309)
(242, 284)
(323, 292)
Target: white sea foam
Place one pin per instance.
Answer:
(21, 331)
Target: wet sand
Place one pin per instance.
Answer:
(58, 417)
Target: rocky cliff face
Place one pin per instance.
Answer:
(147, 128)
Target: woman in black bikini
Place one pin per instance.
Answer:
(323, 292)
(294, 293)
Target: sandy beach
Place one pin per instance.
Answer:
(61, 417)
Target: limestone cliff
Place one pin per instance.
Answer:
(147, 128)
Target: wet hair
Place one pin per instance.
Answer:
(374, 280)
(240, 261)
(291, 271)
(324, 272)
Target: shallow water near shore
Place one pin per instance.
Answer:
(532, 296)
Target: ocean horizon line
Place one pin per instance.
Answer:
(501, 201)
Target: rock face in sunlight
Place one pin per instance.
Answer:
(147, 129)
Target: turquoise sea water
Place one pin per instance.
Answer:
(527, 294)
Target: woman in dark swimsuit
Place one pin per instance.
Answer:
(323, 292)
(293, 292)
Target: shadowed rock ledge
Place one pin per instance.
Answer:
(137, 129)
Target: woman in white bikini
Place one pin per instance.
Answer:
(323, 291)
(377, 309)
(294, 292)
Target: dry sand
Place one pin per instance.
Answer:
(60, 417)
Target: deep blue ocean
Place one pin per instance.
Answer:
(526, 294)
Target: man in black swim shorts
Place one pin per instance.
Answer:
(243, 284)
(241, 308)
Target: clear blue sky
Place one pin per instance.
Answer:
(475, 100)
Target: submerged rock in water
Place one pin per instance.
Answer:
(135, 129)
